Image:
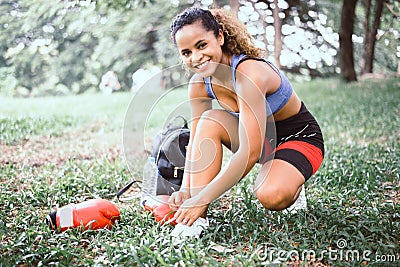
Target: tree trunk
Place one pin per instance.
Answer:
(370, 37)
(234, 5)
(345, 40)
(277, 35)
(367, 29)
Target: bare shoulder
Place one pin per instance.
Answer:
(199, 100)
(197, 87)
(259, 73)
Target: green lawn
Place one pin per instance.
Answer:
(56, 151)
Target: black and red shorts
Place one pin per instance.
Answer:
(299, 141)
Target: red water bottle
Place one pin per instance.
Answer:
(91, 214)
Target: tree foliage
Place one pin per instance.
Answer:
(65, 46)
(298, 35)
(368, 23)
(62, 46)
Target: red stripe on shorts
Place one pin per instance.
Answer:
(311, 152)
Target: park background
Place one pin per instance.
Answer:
(61, 131)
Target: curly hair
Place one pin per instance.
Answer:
(237, 38)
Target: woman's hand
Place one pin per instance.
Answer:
(177, 198)
(190, 211)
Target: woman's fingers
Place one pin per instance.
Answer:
(182, 216)
(172, 201)
(177, 199)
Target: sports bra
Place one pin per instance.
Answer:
(275, 101)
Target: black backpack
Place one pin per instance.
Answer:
(169, 150)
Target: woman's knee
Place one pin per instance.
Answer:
(273, 197)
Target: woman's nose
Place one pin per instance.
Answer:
(197, 55)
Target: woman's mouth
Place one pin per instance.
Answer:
(201, 65)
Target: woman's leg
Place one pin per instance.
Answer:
(278, 184)
(215, 128)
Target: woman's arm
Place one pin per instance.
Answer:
(252, 84)
(251, 87)
(199, 102)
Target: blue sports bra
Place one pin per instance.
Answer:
(274, 101)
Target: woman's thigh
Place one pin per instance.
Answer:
(221, 126)
(215, 129)
(280, 173)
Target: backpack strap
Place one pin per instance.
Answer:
(125, 188)
(172, 121)
(209, 89)
(168, 128)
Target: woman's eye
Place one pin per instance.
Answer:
(186, 53)
(202, 45)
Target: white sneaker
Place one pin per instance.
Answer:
(299, 204)
(183, 231)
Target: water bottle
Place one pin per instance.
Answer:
(149, 182)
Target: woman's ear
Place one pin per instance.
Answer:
(221, 39)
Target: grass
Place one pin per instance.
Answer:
(56, 151)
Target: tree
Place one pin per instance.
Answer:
(345, 40)
(62, 47)
(295, 31)
(370, 35)
(66, 46)
(278, 34)
(233, 5)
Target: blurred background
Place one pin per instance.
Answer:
(68, 47)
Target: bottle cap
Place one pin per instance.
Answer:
(51, 220)
(151, 159)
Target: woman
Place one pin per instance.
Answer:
(253, 92)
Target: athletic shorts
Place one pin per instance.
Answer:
(299, 141)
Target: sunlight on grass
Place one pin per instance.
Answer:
(74, 106)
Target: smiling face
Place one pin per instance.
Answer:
(200, 49)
